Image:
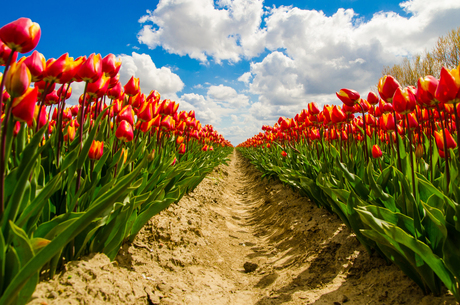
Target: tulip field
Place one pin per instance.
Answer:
(86, 178)
(387, 165)
(80, 179)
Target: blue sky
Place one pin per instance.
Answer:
(241, 63)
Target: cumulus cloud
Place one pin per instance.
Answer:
(245, 78)
(151, 78)
(227, 30)
(227, 96)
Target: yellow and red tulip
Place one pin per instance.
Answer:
(96, 150)
(125, 131)
(348, 96)
(17, 79)
(387, 86)
(21, 35)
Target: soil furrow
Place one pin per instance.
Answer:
(237, 239)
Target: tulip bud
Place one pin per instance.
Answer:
(132, 86)
(419, 151)
(5, 53)
(182, 149)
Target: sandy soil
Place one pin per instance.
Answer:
(237, 240)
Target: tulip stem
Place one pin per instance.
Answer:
(59, 123)
(397, 142)
(411, 154)
(82, 121)
(2, 156)
(446, 152)
(457, 126)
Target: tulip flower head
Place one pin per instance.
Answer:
(21, 35)
(24, 106)
(284, 154)
(5, 53)
(376, 152)
(387, 87)
(348, 97)
(17, 79)
(448, 90)
(125, 131)
(181, 149)
(96, 150)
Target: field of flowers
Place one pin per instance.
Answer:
(79, 179)
(387, 165)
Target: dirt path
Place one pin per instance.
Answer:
(237, 240)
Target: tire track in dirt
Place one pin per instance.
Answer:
(237, 239)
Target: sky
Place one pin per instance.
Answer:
(241, 64)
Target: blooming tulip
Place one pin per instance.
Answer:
(24, 106)
(448, 90)
(376, 152)
(284, 154)
(125, 131)
(5, 53)
(387, 86)
(36, 64)
(404, 100)
(110, 65)
(91, 69)
(132, 86)
(426, 89)
(182, 149)
(96, 150)
(348, 97)
(17, 79)
(21, 35)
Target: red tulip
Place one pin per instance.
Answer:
(348, 97)
(125, 131)
(372, 98)
(17, 79)
(37, 65)
(91, 69)
(284, 154)
(96, 150)
(448, 90)
(182, 149)
(376, 152)
(110, 65)
(132, 86)
(404, 100)
(24, 106)
(5, 53)
(426, 89)
(440, 139)
(126, 114)
(387, 87)
(337, 115)
(21, 35)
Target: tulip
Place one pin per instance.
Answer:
(21, 35)
(17, 79)
(448, 89)
(96, 150)
(376, 152)
(426, 90)
(450, 142)
(372, 98)
(5, 53)
(348, 97)
(387, 87)
(23, 107)
(284, 154)
(313, 108)
(91, 69)
(132, 87)
(110, 66)
(205, 148)
(71, 131)
(168, 122)
(125, 131)
(115, 92)
(36, 64)
(404, 100)
(154, 96)
(181, 148)
(126, 114)
(337, 115)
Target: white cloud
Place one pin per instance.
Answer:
(199, 28)
(151, 78)
(245, 78)
(227, 96)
